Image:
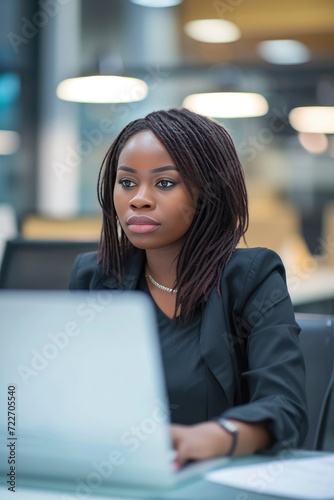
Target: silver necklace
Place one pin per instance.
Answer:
(162, 287)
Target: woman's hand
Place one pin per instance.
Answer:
(209, 440)
(200, 441)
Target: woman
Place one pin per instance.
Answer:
(174, 206)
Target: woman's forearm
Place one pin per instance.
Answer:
(209, 439)
(252, 437)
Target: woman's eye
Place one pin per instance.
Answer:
(126, 183)
(164, 183)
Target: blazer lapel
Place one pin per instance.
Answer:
(216, 347)
(132, 273)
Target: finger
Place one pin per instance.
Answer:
(180, 459)
(177, 438)
(182, 454)
(176, 434)
(176, 428)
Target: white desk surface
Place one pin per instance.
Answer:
(197, 489)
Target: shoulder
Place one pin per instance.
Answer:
(86, 271)
(257, 259)
(252, 269)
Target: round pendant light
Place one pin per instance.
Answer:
(313, 119)
(227, 104)
(102, 89)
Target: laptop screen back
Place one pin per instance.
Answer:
(90, 395)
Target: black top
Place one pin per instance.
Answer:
(188, 377)
(248, 339)
(185, 369)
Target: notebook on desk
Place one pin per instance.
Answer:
(82, 375)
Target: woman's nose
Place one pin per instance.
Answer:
(142, 199)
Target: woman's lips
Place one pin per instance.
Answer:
(142, 224)
(142, 228)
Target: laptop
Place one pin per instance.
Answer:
(81, 377)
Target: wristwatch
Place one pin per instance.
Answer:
(233, 430)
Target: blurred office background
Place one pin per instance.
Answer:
(51, 149)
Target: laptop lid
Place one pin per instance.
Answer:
(81, 377)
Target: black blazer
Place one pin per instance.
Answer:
(249, 338)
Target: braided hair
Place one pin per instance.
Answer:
(206, 158)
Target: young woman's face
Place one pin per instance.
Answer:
(152, 203)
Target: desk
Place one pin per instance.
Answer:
(198, 489)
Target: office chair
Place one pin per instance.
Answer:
(40, 265)
(317, 344)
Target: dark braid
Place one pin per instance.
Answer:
(206, 158)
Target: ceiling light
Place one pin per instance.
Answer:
(313, 143)
(157, 3)
(313, 119)
(283, 52)
(212, 31)
(9, 142)
(102, 89)
(227, 104)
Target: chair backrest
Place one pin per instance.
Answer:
(40, 265)
(317, 343)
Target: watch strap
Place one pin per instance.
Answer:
(233, 430)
